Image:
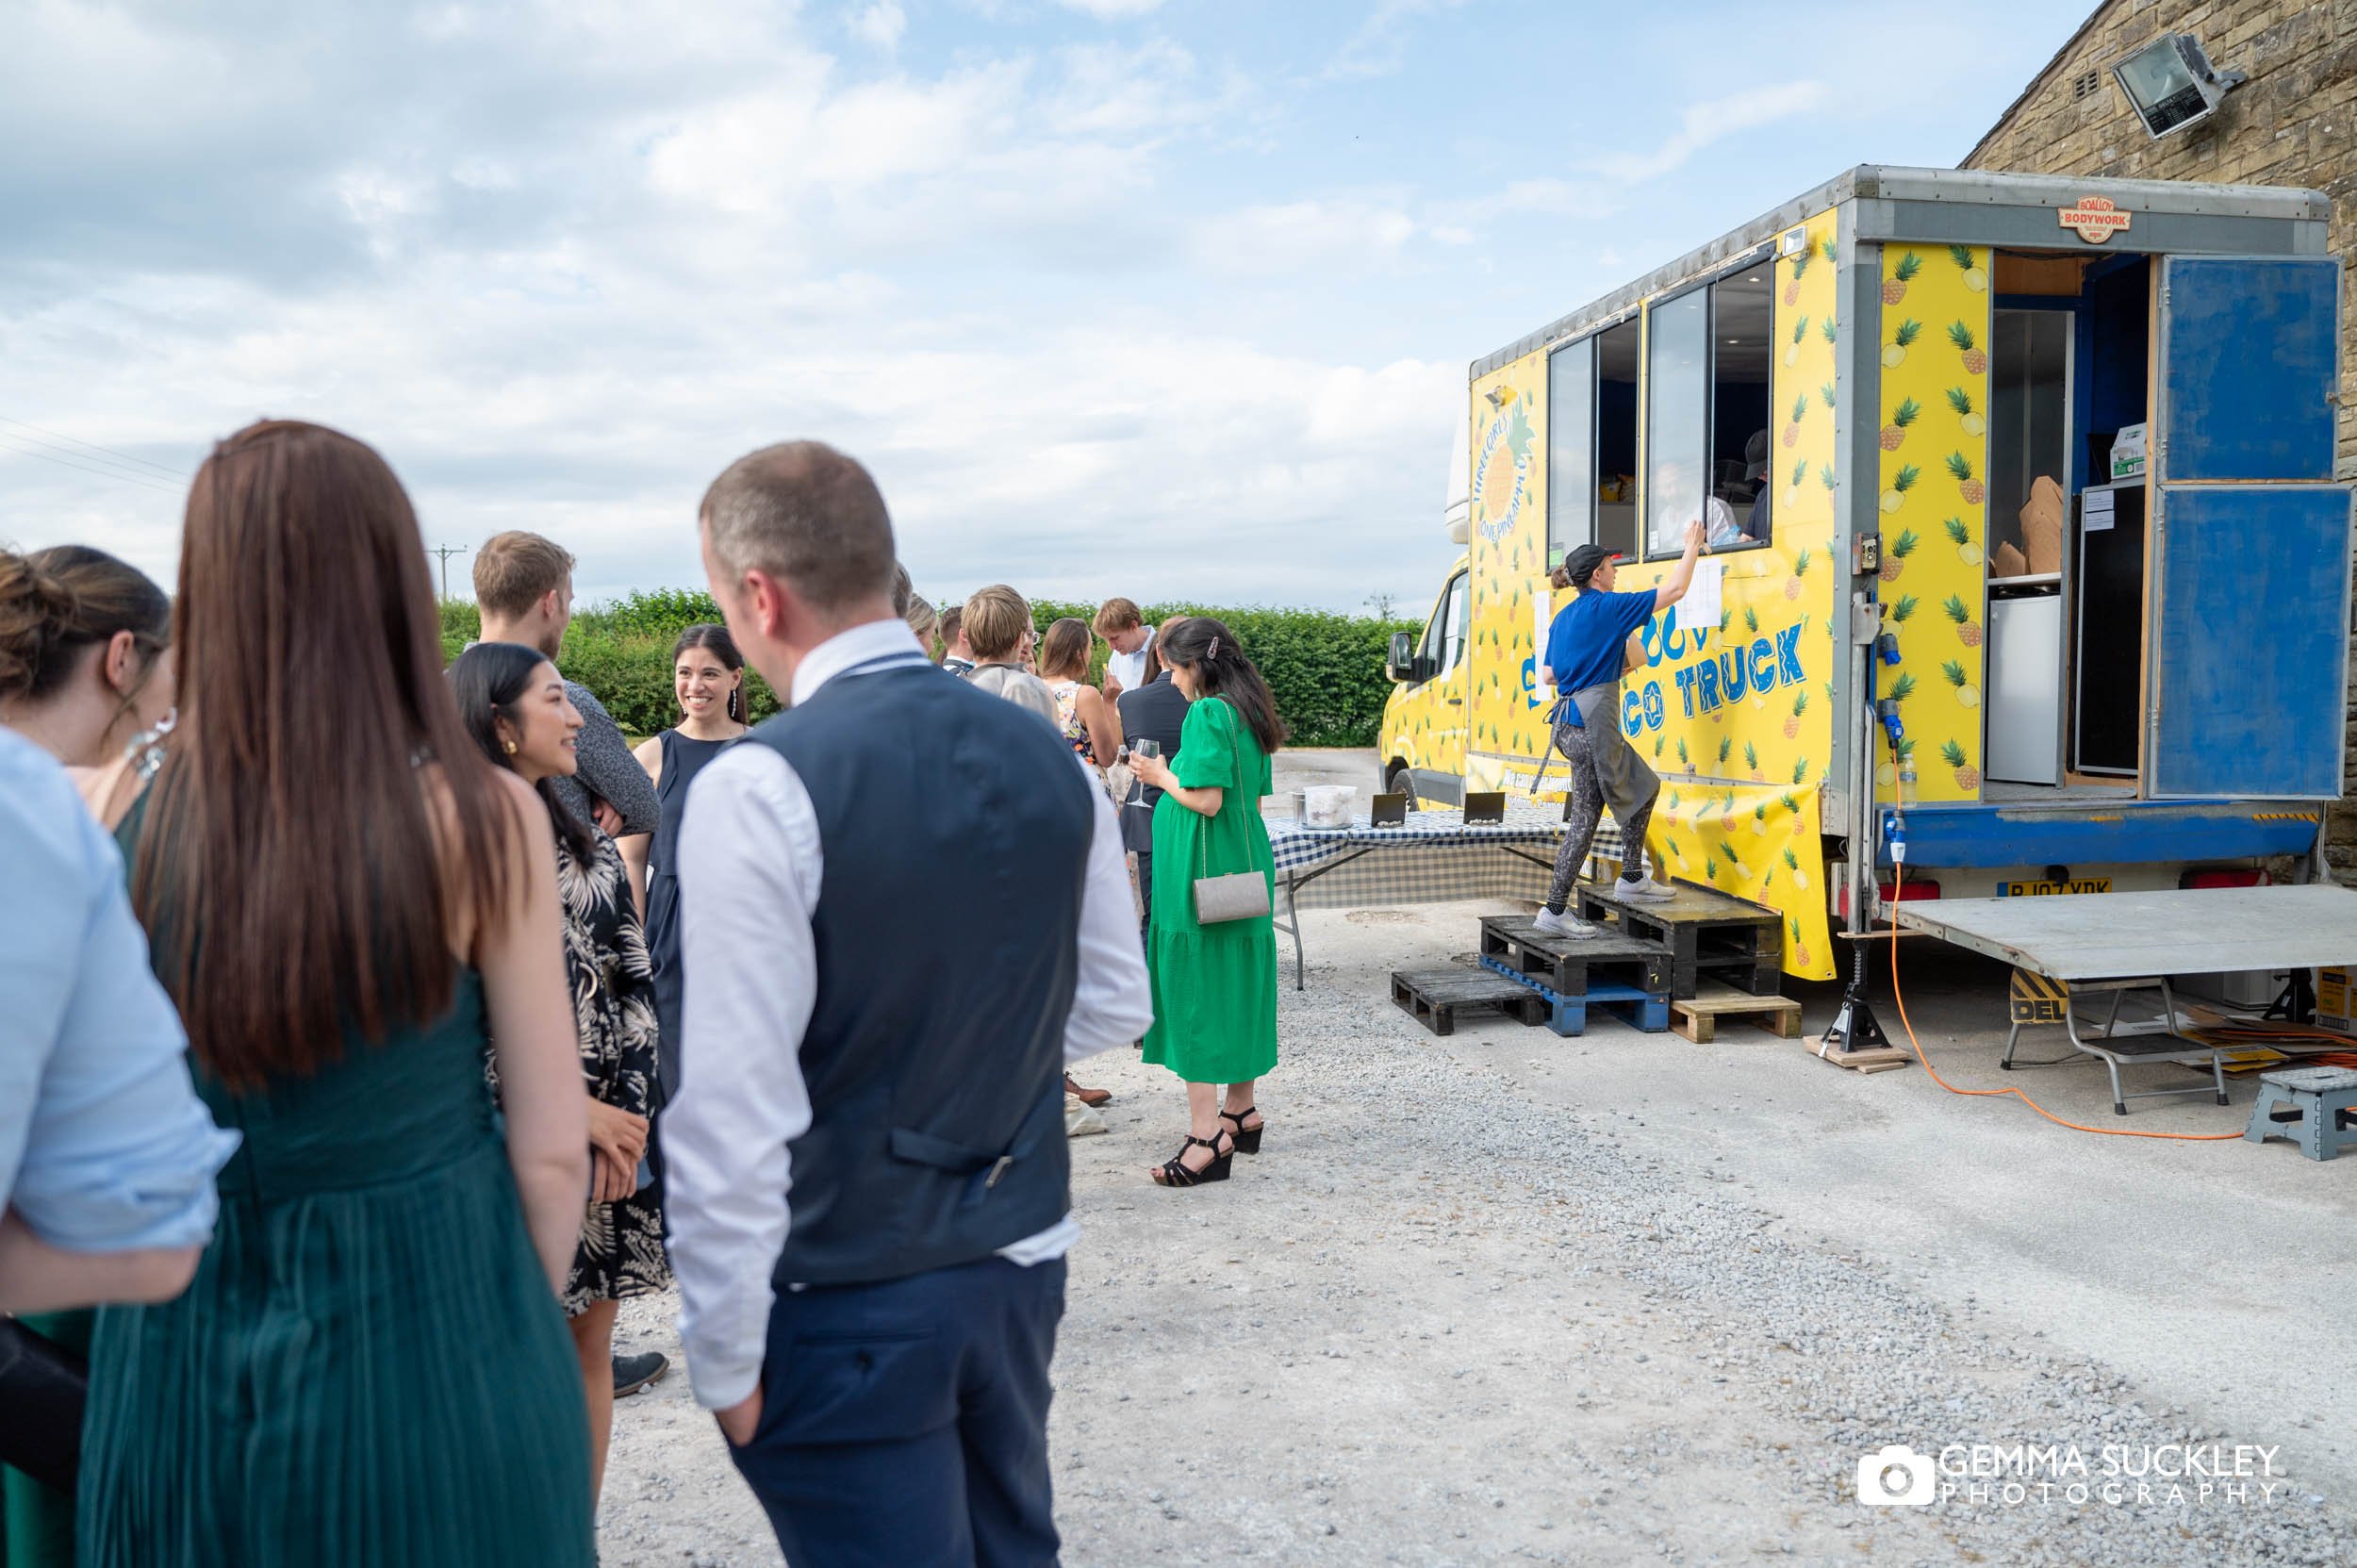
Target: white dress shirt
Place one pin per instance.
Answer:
(1129, 669)
(749, 865)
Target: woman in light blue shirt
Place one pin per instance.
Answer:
(107, 1155)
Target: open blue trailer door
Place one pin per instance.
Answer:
(2250, 609)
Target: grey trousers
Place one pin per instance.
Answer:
(1588, 802)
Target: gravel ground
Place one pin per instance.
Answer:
(1436, 1323)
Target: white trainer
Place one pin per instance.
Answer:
(1565, 924)
(1643, 891)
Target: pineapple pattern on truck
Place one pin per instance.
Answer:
(1934, 511)
(1736, 719)
(1508, 551)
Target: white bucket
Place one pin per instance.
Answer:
(1328, 805)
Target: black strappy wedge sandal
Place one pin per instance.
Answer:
(1247, 1139)
(1173, 1172)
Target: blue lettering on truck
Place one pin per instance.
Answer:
(1709, 683)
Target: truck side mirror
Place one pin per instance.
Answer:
(1402, 664)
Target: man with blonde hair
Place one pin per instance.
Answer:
(997, 626)
(1123, 626)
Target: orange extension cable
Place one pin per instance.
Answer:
(1992, 1093)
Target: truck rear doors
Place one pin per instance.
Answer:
(2250, 630)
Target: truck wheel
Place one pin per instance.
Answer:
(1396, 781)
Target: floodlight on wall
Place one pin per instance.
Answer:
(2172, 83)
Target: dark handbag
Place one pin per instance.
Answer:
(1239, 895)
(43, 1387)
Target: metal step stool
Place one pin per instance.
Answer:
(2308, 1105)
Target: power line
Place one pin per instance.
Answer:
(117, 474)
(106, 465)
(172, 474)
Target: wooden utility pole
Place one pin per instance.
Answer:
(444, 553)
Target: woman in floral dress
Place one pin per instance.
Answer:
(514, 703)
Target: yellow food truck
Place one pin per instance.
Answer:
(2027, 543)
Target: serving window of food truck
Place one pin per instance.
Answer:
(1706, 413)
(1592, 441)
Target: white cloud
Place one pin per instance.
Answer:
(880, 26)
(1305, 237)
(1711, 121)
(1378, 46)
(1108, 10)
(561, 287)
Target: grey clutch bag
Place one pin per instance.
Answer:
(1238, 896)
(1241, 896)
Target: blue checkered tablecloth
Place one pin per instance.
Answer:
(1435, 857)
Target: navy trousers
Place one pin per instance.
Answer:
(904, 1425)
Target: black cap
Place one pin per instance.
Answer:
(1583, 561)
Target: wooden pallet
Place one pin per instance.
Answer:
(1647, 1010)
(1574, 965)
(1697, 1016)
(1876, 1059)
(1707, 933)
(1436, 998)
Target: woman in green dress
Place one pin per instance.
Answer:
(1214, 986)
(370, 1367)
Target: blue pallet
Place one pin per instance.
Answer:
(1568, 1015)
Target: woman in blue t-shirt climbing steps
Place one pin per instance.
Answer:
(1590, 644)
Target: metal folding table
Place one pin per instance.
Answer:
(1435, 856)
(2114, 943)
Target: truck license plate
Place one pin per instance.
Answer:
(2042, 889)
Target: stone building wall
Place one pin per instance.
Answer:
(2293, 123)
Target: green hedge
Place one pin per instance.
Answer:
(1325, 670)
(623, 652)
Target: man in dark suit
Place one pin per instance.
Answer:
(1156, 712)
(877, 1349)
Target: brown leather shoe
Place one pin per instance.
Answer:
(1087, 1096)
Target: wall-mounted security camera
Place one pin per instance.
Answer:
(2172, 83)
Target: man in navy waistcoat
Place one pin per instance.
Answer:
(869, 1183)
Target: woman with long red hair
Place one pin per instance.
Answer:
(346, 901)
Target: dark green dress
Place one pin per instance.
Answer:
(1215, 986)
(369, 1368)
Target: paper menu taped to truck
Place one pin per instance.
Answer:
(1700, 608)
(2095, 511)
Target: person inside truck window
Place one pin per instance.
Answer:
(1679, 501)
(1588, 647)
(1756, 475)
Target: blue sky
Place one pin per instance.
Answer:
(1115, 296)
